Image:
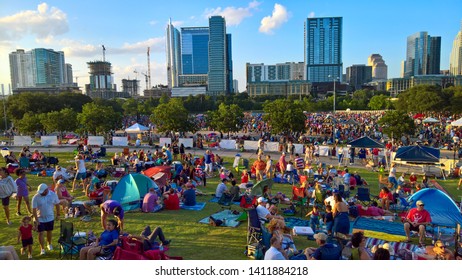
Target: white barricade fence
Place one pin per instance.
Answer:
(271, 146)
(22, 140)
(96, 140)
(228, 144)
(187, 142)
(324, 151)
(119, 141)
(165, 142)
(49, 140)
(298, 149)
(251, 145)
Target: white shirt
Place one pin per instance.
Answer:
(7, 187)
(62, 172)
(290, 167)
(262, 213)
(81, 166)
(44, 206)
(274, 254)
(392, 172)
(221, 188)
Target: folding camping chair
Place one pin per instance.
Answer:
(363, 196)
(344, 193)
(258, 236)
(300, 199)
(70, 243)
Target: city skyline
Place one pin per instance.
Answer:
(266, 32)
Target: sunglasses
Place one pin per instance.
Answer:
(421, 205)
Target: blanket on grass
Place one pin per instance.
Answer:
(291, 222)
(198, 207)
(230, 219)
(215, 199)
(380, 229)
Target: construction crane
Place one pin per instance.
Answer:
(104, 53)
(149, 70)
(145, 76)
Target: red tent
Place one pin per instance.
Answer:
(156, 169)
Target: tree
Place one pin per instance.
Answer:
(172, 116)
(379, 102)
(284, 116)
(64, 120)
(30, 123)
(397, 123)
(421, 98)
(98, 118)
(228, 118)
(453, 97)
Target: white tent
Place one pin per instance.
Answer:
(430, 120)
(457, 122)
(136, 128)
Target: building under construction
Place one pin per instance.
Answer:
(101, 81)
(130, 86)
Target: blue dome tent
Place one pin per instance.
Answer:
(131, 189)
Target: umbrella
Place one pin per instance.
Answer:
(418, 116)
(257, 189)
(457, 122)
(430, 120)
(136, 128)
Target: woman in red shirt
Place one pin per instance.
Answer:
(171, 200)
(386, 197)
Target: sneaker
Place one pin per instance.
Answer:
(42, 252)
(50, 247)
(29, 257)
(22, 251)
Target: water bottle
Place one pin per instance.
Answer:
(161, 247)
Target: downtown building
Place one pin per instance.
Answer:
(358, 75)
(323, 49)
(379, 68)
(423, 55)
(41, 70)
(455, 60)
(199, 59)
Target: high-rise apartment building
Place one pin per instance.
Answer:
(358, 75)
(423, 55)
(217, 55)
(323, 49)
(173, 52)
(279, 72)
(379, 68)
(455, 60)
(39, 68)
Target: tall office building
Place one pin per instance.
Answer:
(173, 47)
(423, 55)
(277, 72)
(379, 68)
(455, 60)
(229, 64)
(323, 49)
(218, 60)
(194, 50)
(38, 68)
(358, 75)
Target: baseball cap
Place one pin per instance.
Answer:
(262, 199)
(334, 191)
(320, 236)
(61, 181)
(42, 188)
(419, 202)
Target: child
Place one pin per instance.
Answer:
(329, 219)
(23, 191)
(314, 220)
(25, 234)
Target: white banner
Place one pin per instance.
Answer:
(272, 146)
(298, 149)
(187, 142)
(324, 151)
(96, 140)
(22, 140)
(119, 141)
(251, 145)
(228, 144)
(49, 140)
(165, 141)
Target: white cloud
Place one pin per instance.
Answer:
(311, 15)
(44, 23)
(153, 22)
(233, 15)
(275, 20)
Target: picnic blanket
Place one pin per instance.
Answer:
(370, 242)
(291, 222)
(380, 229)
(198, 207)
(215, 199)
(230, 220)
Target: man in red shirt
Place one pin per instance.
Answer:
(416, 220)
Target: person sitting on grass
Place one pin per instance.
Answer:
(171, 199)
(325, 251)
(386, 197)
(189, 195)
(151, 202)
(149, 237)
(105, 244)
(65, 198)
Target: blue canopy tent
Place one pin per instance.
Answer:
(131, 190)
(365, 142)
(443, 210)
(418, 154)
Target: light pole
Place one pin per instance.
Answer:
(335, 79)
(333, 114)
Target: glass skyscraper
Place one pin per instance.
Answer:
(194, 50)
(323, 49)
(217, 55)
(173, 47)
(423, 55)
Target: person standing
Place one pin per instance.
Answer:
(269, 170)
(115, 208)
(392, 177)
(260, 167)
(208, 163)
(44, 216)
(23, 191)
(25, 236)
(7, 188)
(80, 169)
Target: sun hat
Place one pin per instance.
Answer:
(320, 236)
(419, 202)
(42, 188)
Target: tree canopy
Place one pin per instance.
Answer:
(284, 116)
(397, 123)
(228, 118)
(172, 116)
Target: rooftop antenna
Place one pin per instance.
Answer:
(104, 53)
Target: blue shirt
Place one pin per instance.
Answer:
(168, 154)
(189, 197)
(107, 237)
(207, 159)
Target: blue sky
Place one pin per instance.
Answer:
(263, 31)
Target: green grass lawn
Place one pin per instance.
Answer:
(190, 239)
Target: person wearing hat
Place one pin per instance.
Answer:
(263, 213)
(416, 220)
(44, 216)
(325, 251)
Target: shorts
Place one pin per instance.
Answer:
(48, 226)
(81, 176)
(27, 242)
(413, 228)
(6, 201)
